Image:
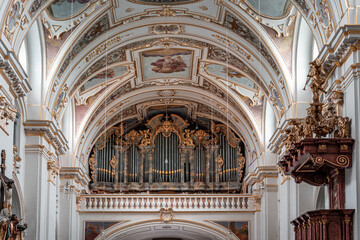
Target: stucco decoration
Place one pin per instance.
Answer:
(245, 32)
(163, 2)
(96, 30)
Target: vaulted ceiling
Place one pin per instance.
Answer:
(121, 59)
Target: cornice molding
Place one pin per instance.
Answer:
(75, 173)
(345, 41)
(17, 78)
(41, 150)
(276, 141)
(261, 173)
(50, 131)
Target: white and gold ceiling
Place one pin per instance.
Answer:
(117, 60)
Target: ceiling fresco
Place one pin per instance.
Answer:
(274, 8)
(228, 74)
(96, 30)
(103, 77)
(62, 9)
(237, 26)
(165, 63)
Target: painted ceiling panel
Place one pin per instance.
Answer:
(274, 8)
(66, 8)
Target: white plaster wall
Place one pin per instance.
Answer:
(352, 188)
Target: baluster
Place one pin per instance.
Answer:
(116, 203)
(158, 203)
(138, 203)
(176, 203)
(92, 201)
(228, 203)
(111, 203)
(105, 203)
(97, 203)
(121, 203)
(195, 204)
(151, 203)
(87, 200)
(201, 203)
(216, 203)
(241, 202)
(221, 202)
(171, 203)
(209, 202)
(182, 203)
(143, 203)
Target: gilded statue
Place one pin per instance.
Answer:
(187, 136)
(11, 229)
(307, 129)
(317, 80)
(343, 130)
(146, 137)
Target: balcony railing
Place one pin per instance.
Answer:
(154, 202)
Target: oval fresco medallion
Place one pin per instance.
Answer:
(164, 2)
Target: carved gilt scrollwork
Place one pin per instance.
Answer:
(92, 163)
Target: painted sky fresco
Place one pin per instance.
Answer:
(230, 75)
(165, 63)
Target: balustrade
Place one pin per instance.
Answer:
(152, 202)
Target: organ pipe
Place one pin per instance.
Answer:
(168, 157)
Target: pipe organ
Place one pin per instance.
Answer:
(167, 154)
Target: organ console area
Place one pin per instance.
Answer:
(167, 153)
